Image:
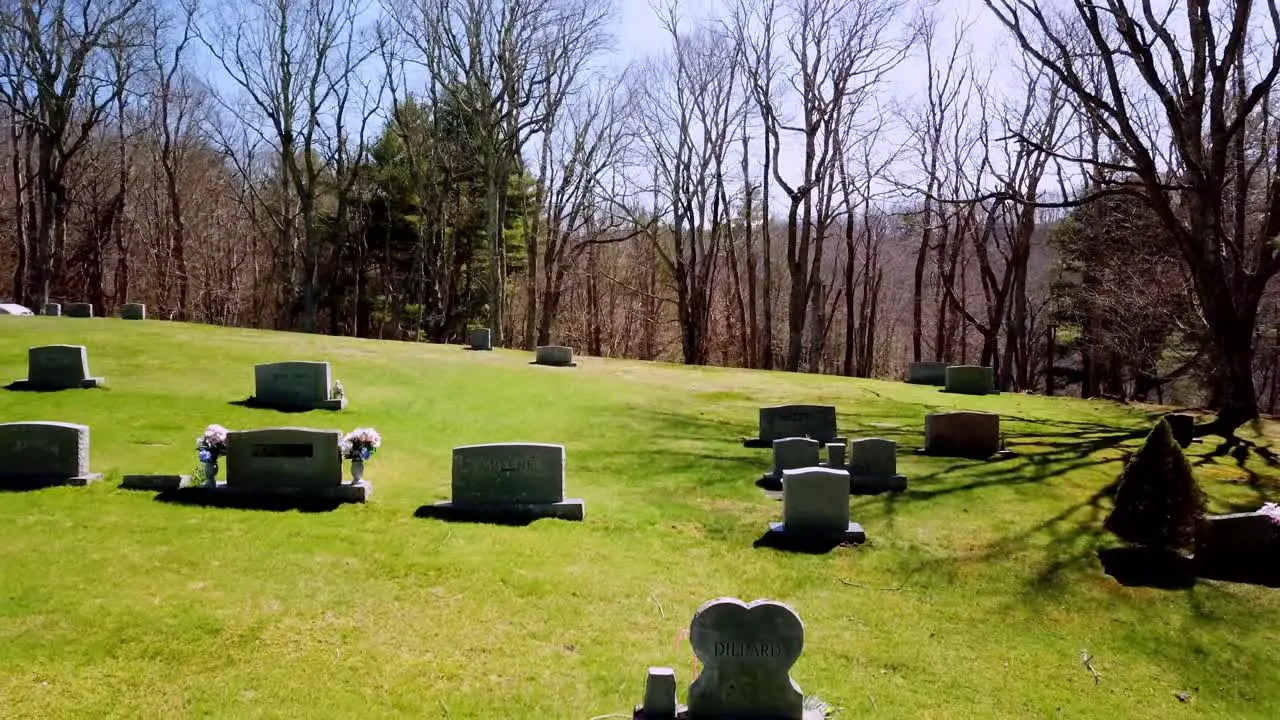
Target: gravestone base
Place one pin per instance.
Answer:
(345, 493)
(854, 534)
(86, 384)
(330, 404)
(573, 509)
(949, 452)
(683, 714)
(874, 485)
(157, 483)
(33, 482)
(757, 443)
(554, 364)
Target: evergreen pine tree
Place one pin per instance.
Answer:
(1158, 502)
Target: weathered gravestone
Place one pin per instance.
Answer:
(53, 309)
(815, 504)
(927, 373)
(501, 482)
(970, 380)
(554, 355)
(790, 453)
(58, 367)
(873, 467)
(481, 339)
(301, 462)
(746, 652)
(1183, 427)
(295, 385)
(38, 454)
(817, 422)
(962, 434)
(79, 310)
(133, 311)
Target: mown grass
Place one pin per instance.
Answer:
(976, 596)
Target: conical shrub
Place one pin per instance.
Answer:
(1158, 502)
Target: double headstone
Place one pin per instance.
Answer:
(52, 309)
(970, 380)
(79, 310)
(554, 355)
(295, 385)
(133, 311)
(815, 504)
(928, 373)
(873, 467)
(817, 422)
(34, 454)
(58, 367)
(504, 482)
(301, 462)
(962, 434)
(746, 652)
(480, 339)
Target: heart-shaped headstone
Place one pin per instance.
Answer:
(746, 652)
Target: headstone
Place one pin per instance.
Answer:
(303, 462)
(815, 502)
(836, 454)
(79, 310)
(746, 653)
(817, 422)
(481, 339)
(793, 452)
(962, 434)
(660, 695)
(554, 355)
(873, 467)
(508, 481)
(295, 385)
(1183, 427)
(53, 309)
(58, 367)
(970, 380)
(1240, 536)
(133, 311)
(928, 373)
(44, 453)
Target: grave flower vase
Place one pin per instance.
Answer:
(211, 473)
(357, 470)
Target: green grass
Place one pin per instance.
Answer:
(975, 597)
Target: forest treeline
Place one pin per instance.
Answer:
(1093, 209)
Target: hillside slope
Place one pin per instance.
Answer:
(975, 597)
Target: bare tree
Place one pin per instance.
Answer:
(1192, 74)
(55, 73)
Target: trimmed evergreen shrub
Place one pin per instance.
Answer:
(1158, 502)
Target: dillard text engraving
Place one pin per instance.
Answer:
(748, 649)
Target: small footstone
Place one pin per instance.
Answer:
(660, 695)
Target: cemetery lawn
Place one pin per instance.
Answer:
(978, 595)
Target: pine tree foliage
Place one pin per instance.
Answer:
(1158, 502)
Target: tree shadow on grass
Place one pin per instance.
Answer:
(205, 497)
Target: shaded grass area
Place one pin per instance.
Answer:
(979, 593)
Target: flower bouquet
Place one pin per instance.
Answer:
(1271, 510)
(209, 447)
(359, 445)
